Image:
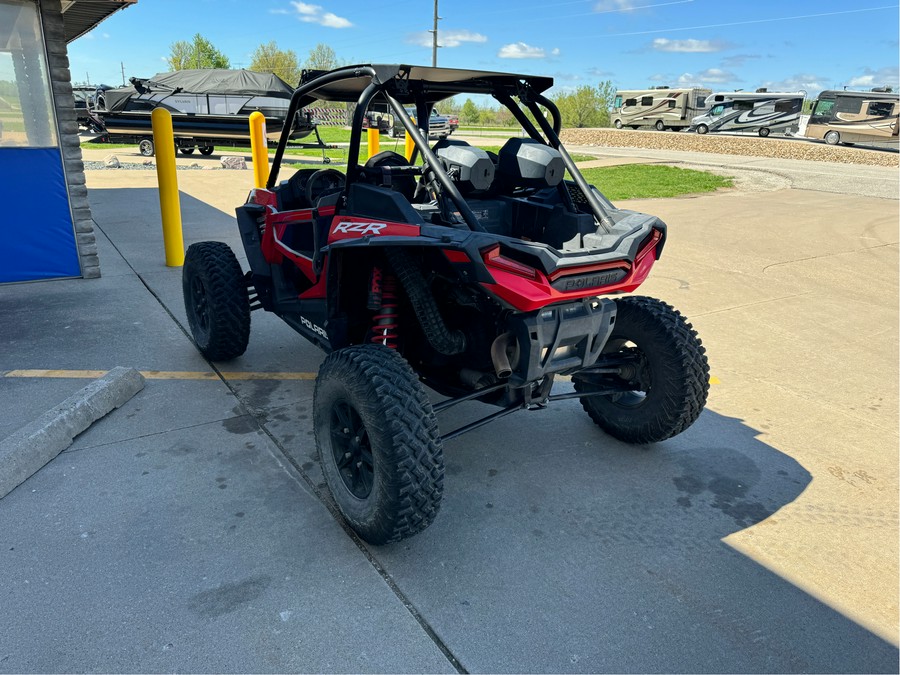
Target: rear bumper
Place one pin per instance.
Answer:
(562, 338)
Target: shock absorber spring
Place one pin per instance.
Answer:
(385, 330)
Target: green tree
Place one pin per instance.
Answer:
(268, 58)
(606, 94)
(199, 53)
(322, 57)
(470, 113)
(586, 106)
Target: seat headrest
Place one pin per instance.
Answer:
(529, 163)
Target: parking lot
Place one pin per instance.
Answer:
(189, 529)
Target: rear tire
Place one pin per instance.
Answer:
(660, 126)
(216, 300)
(187, 151)
(146, 147)
(206, 149)
(832, 138)
(674, 374)
(763, 132)
(378, 443)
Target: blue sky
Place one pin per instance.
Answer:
(719, 44)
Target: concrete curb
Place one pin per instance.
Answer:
(31, 447)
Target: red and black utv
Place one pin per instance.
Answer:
(482, 276)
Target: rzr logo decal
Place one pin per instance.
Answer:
(358, 228)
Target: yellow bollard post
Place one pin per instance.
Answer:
(409, 147)
(169, 203)
(374, 140)
(259, 149)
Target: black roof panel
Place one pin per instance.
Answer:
(435, 83)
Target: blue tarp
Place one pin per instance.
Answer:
(37, 239)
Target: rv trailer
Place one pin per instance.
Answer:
(760, 111)
(660, 107)
(850, 117)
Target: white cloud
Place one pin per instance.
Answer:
(811, 84)
(690, 45)
(454, 38)
(708, 76)
(279, 11)
(315, 14)
(520, 50)
(446, 38)
(887, 76)
(554, 51)
(614, 6)
(659, 77)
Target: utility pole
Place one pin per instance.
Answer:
(123, 73)
(434, 36)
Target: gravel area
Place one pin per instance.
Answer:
(730, 145)
(95, 166)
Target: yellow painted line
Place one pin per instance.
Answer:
(164, 375)
(714, 380)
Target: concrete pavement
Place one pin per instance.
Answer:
(187, 530)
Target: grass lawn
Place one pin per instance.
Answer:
(630, 181)
(646, 181)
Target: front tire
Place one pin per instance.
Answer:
(378, 443)
(832, 138)
(660, 126)
(146, 147)
(672, 382)
(216, 300)
(763, 132)
(702, 129)
(618, 124)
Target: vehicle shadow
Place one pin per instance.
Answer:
(557, 548)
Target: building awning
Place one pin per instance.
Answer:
(80, 16)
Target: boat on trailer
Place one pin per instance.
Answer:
(209, 107)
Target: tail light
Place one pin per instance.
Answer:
(493, 258)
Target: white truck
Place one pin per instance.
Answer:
(761, 111)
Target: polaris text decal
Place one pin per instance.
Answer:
(313, 327)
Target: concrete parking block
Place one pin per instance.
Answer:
(32, 446)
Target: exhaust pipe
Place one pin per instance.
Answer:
(499, 357)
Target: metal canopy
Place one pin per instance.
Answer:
(81, 16)
(435, 84)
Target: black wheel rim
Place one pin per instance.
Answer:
(200, 304)
(351, 449)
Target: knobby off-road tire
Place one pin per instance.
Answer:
(677, 374)
(378, 443)
(216, 300)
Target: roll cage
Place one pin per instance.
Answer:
(404, 85)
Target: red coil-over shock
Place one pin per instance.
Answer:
(383, 300)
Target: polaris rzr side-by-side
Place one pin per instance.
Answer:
(482, 276)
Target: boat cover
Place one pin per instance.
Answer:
(203, 81)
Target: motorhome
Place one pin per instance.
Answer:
(850, 117)
(761, 111)
(660, 107)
